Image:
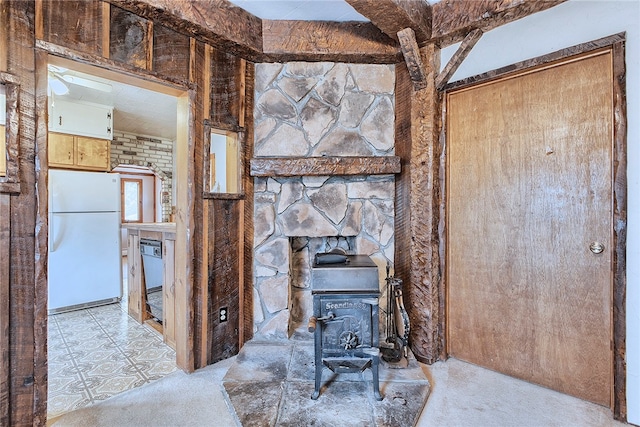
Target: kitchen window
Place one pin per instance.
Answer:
(131, 200)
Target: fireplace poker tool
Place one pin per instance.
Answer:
(397, 330)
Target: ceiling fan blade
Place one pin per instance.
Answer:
(57, 86)
(80, 81)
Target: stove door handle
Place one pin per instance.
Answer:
(313, 320)
(312, 324)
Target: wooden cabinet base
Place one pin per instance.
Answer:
(137, 295)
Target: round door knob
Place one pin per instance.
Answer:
(596, 247)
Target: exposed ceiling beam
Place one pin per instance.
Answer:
(328, 41)
(392, 16)
(454, 19)
(217, 22)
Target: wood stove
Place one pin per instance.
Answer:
(345, 293)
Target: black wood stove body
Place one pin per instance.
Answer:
(345, 318)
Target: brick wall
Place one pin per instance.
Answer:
(151, 152)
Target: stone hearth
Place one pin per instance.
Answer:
(313, 110)
(270, 384)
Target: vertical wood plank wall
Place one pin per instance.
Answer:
(98, 29)
(5, 253)
(226, 228)
(24, 361)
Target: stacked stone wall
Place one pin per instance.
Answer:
(314, 110)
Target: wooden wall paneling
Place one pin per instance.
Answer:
(41, 293)
(224, 278)
(246, 138)
(4, 17)
(134, 277)
(200, 244)
(186, 230)
(5, 252)
(75, 24)
(417, 245)
(39, 20)
(402, 232)
(24, 403)
(225, 89)
(10, 182)
(170, 52)
(106, 29)
(209, 236)
(130, 38)
(620, 230)
(168, 293)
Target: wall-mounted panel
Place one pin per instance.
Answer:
(226, 78)
(73, 24)
(129, 38)
(170, 53)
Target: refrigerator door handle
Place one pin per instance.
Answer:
(51, 234)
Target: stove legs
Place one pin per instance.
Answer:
(373, 363)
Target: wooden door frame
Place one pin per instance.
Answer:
(616, 44)
(46, 53)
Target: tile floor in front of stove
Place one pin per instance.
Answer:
(98, 352)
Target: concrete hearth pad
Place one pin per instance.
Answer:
(270, 384)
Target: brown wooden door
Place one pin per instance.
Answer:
(529, 189)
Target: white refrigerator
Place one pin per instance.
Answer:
(85, 266)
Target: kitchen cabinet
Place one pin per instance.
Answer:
(79, 152)
(81, 118)
(164, 232)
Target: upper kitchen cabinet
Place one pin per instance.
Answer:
(78, 152)
(81, 118)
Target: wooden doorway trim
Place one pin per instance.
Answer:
(185, 93)
(619, 157)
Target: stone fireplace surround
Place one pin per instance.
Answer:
(314, 111)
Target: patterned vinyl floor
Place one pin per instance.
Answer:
(99, 352)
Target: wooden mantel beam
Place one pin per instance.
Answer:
(454, 19)
(358, 42)
(392, 16)
(217, 22)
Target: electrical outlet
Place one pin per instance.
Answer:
(224, 314)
